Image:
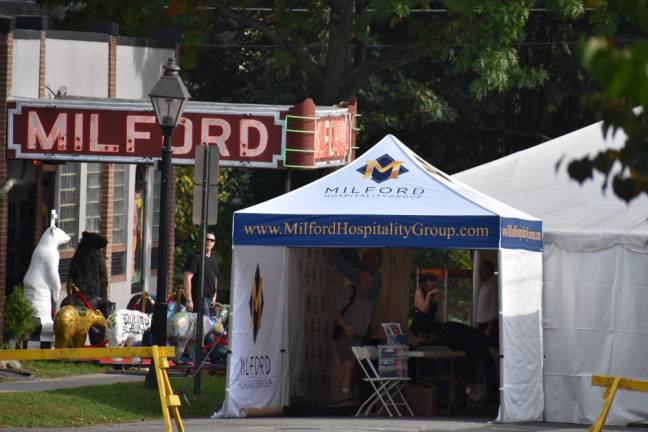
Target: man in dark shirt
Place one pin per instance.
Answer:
(192, 277)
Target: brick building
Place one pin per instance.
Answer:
(67, 91)
(119, 200)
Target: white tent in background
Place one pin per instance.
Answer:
(595, 284)
(388, 198)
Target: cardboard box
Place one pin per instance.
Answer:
(423, 399)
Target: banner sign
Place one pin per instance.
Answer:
(256, 361)
(126, 131)
(465, 232)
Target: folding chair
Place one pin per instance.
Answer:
(386, 390)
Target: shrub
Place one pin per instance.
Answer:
(20, 319)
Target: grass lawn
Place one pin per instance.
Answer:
(107, 404)
(57, 369)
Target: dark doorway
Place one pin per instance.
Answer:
(19, 234)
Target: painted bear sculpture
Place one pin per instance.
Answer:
(96, 334)
(72, 323)
(126, 327)
(88, 268)
(181, 331)
(41, 283)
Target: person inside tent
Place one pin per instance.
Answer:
(354, 311)
(487, 304)
(349, 264)
(455, 335)
(425, 305)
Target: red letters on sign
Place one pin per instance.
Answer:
(126, 134)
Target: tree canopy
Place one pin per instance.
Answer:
(419, 68)
(462, 82)
(617, 58)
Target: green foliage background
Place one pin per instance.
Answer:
(232, 193)
(617, 58)
(462, 82)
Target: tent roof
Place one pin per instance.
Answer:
(387, 184)
(579, 216)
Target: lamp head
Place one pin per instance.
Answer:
(169, 96)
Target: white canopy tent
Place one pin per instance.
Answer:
(595, 284)
(389, 198)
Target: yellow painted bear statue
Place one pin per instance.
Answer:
(72, 323)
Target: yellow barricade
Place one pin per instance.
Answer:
(169, 402)
(612, 384)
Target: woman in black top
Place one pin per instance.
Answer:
(455, 335)
(425, 305)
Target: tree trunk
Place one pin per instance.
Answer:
(339, 49)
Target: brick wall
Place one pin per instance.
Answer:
(6, 56)
(112, 67)
(108, 169)
(38, 216)
(106, 223)
(41, 65)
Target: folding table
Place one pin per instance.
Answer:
(439, 353)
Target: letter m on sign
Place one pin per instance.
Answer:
(36, 132)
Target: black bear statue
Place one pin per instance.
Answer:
(88, 273)
(88, 268)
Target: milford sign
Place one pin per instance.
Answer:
(126, 131)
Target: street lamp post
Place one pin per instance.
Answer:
(169, 97)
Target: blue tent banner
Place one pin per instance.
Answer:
(521, 234)
(453, 232)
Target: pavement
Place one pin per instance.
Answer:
(285, 424)
(39, 385)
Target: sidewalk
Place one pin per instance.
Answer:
(332, 425)
(39, 385)
(278, 424)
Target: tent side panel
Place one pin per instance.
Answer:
(256, 365)
(521, 383)
(595, 322)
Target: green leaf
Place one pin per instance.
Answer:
(604, 161)
(625, 188)
(634, 11)
(590, 48)
(462, 7)
(566, 8)
(580, 170)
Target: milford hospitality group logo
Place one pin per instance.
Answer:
(256, 303)
(382, 169)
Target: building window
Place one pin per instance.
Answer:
(93, 198)
(120, 225)
(69, 201)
